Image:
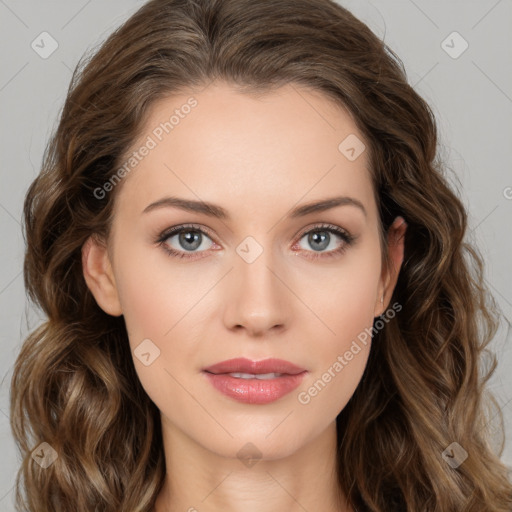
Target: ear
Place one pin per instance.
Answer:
(389, 276)
(99, 277)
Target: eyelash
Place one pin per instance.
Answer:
(347, 238)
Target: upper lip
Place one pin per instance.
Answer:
(243, 365)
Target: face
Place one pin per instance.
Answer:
(255, 276)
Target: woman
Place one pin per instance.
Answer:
(254, 271)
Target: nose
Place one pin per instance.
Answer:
(258, 299)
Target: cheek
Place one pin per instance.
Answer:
(343, 299)
(154, 293)
(152, 306)
(159, 300)
(146, 310)
(346, 306)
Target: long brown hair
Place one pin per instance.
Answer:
(74, 384)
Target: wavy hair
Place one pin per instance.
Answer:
(424, 387)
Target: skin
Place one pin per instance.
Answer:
(257, 157)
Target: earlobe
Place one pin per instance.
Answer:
(396, 237)
(98, 275)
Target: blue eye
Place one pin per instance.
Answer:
(320, 238)
(190, 241)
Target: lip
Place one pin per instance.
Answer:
(244, 365)
(255, 391)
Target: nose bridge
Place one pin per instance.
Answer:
(258, 300)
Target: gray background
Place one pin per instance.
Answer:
(471, 96)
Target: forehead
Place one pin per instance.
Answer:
(242, 148)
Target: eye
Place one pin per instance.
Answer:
(321, 237)
(191, 240)
(187, 239)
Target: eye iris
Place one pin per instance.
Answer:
(314, 238)
(190, 237)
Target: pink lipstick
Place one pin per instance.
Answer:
(255, 382)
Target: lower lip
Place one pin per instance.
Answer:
(255, 391)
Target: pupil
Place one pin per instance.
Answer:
(190, 237)
(313, 239)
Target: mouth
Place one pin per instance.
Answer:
(255, 382)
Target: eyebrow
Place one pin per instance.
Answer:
(213, 210)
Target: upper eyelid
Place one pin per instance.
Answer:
(166, 233)
(324, 225)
